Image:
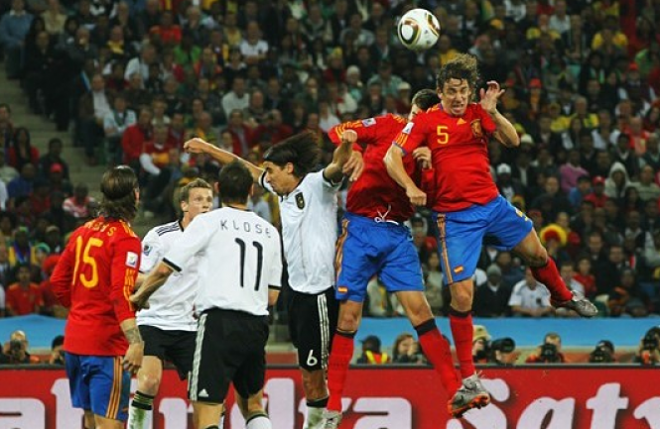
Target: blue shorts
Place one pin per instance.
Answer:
(462, 233)
(99, 384)
(367, 248)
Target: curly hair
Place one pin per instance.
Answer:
(462, 67)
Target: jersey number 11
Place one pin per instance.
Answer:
(260, 261)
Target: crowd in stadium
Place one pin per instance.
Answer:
(134, 79)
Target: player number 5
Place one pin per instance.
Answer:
(443, 135)
(87, 259)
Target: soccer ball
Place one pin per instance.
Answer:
(418, 29)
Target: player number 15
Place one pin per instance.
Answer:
(84, 250)
(443, 135)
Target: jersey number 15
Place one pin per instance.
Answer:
(83, 251)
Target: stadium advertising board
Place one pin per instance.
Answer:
(378, 398)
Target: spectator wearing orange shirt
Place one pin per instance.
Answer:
(23, 297)
(167, 31)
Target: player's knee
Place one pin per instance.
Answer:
(461, 297)
(539, 257)
(149, 384)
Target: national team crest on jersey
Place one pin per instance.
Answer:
(476, 128)
(146, 249)
(131, 259)
(369, 122)
(300, 200)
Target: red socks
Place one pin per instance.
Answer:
(436, 349)
(340, 358)
(549, 276)
(462, 331)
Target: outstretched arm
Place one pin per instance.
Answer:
(394, 163)
(341, 155)
(197, 145)
(505, 132)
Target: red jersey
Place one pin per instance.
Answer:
(21, 301)
(375, 193)
(460, 155)
(95, 276)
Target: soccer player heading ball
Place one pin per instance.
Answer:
(467, 206)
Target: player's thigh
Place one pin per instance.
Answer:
(313, 323)
(509, 225)
(214, 360)
(250, 376)
(109, 387)
(401, 269)
(78, 375)
(355, 261)
(155, 341)
(180, 352)
(460, 235)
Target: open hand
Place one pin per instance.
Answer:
(490, 96)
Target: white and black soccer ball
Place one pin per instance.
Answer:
(418, 29)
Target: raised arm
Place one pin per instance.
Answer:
(341, 155)
(197, 145)
(505, 132)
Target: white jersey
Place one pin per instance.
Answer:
(525, 297)
(238, 259)
(309, 232)
(171, 306)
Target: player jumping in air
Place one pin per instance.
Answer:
(467, 206)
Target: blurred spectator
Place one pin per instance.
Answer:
(53, 156)
(433, 289)
(237, 98)
(530, 298)
(114, 125)
(14, 27)
(503, 352)
(258, 205)
(492, 298)
(78, 204)
(23, 297)
(21, 151)
(646, 187)
(7, 172)
(94, 106)
(371, 352)
(549, 351)
(15, 351)
(480, 343)
(57, 351)
(135, 137)
(406, 350)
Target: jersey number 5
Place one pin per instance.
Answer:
(83, 250)
(260, 261)
(443, 135)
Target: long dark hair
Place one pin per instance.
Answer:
(118, 187)
(301, 150)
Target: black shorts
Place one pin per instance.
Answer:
(231, 347)
(173, 346)
(312, 324)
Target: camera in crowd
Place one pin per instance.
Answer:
(15, 346)
(650, 341)
(603, 353)
(549, 354)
